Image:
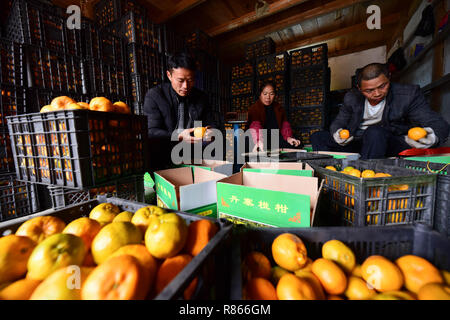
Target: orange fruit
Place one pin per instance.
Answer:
(118, 278)
(260, 289)
(313, 281)
(121, 107)
(85, 228)
(330, 168)
(357, 271)
(394, 295)
(382, 175)
(446, 276)
(338, 252)
(289, 252)
(331, 276)
(57, 251)
(199, 234)
(417, 133)
(357, 289)
(368, 174)
(166, 235)
(101, 104)
(148, 263)
(89, 260)
(291, 287)
(348, 169)
(355, 173)
(39, 228)
(60, 103)
(141, 218)
(73, 106)
(256, 265)
(276, 273)
(382, 274)
(63, 284)
(47, 108)
(199, 132)
(14, 254)
(113, 236)
(83, 105)
(169, 269)
(19, 290)
(104, 213)
(124, 216)
(418, 272)
(307, 266)
(344, 134)
(434, 291)
(333, 297)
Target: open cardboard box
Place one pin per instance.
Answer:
(290, 168)
(188, 189)
(223, 167)
(266, 199)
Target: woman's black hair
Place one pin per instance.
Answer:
(267, 83)
(181, 60)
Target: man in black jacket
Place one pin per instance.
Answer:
(378, 116)
(172, 108)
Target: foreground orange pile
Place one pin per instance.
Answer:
(96, 104)
(107, 256)
(337, 276)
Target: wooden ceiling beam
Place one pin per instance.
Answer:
(178, 9)
(393, 18)
(360, 48)
(250, 17)
(279, 24)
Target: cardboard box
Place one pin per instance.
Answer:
(289, 168)
(266, 199)
(341, 155)
(223, 167)
(188, 189)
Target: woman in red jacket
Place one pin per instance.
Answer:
(268, 114)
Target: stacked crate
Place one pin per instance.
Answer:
(274, 68)
(309, 89)
(242, 86)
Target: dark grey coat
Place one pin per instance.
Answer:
(405, 108)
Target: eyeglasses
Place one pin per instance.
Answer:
(381, 87)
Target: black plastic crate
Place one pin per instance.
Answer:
(35, 23)
(90, 39)
(242, 87)
(242, 70)
(55, 71)
(139, 86)
(108, 11)
(205, 266)
(307, 116)
(11, 63)
(137, 29)
(171, 41)
(304, 97)
(290, 157)
(17, 198)
(390, 242)
(106, 80)
(78, 148)
(131, 189)
(306, 57)
(6, 158)
(304, 133)
(309, 77)
(40, 97)
(242, 103)
(113, 48)
(279, 79)
(273, 63)
(259, 48)
(406, 197)
(145, 61)
(199, 40)
(442, 205)
(12, 102)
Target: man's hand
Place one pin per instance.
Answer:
(424, 143)
(186, 136)
(339, 140)
(259, 146)
(293, 142)
(208, 134)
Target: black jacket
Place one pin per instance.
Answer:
(161, 110)
(405, 108)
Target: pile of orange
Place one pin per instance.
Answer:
(107, 256)
(337, 276)
(96, 104)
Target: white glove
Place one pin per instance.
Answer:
(424, 143)
(341, 141)
(259, 147)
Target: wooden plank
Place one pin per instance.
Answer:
(359, 48)
(344, 31)
(179, 8)
(250, 17)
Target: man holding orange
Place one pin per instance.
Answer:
(375, 118)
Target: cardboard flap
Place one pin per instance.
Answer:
(284, 183)
(319, 194)
(202, 175)
(236, 178)
(178, 176)
(198, 195)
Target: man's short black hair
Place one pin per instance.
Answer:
(372, 71)
(181, 60)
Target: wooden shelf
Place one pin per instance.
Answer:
(437, 83)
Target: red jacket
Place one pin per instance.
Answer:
(257, 120)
